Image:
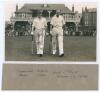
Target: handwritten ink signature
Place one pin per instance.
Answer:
(72, 74)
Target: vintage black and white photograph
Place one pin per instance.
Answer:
(50, 46)
(50, 32)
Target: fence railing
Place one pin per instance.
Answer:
(48, 19)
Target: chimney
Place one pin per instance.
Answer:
(86, 9)
(82, 10)
(73, 8)
(17, 7)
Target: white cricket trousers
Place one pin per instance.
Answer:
(39, 39)
(57, 35)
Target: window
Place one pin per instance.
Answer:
(23, 15)
(45, 5)
(86, 23)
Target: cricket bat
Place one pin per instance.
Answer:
(32, 44)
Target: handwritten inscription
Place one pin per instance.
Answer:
(71, 74)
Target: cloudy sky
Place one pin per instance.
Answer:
(11, 7)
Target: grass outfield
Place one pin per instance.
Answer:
(76, 48)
